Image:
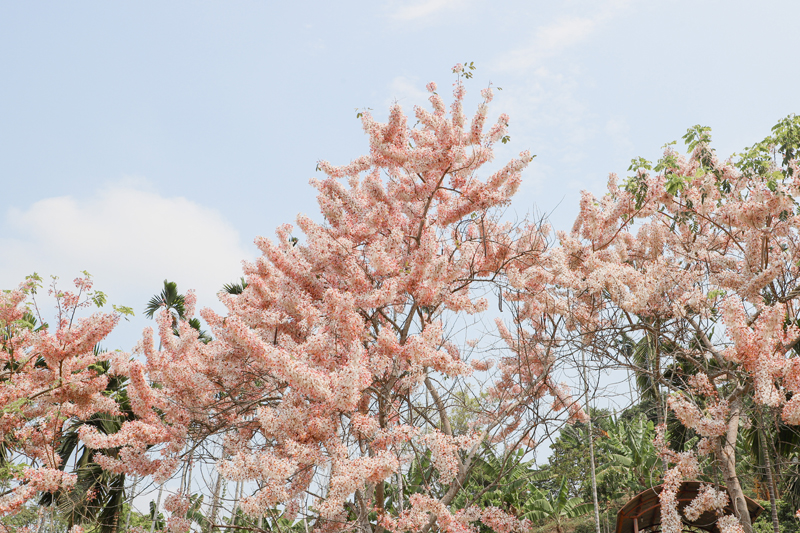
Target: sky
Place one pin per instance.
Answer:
(148, 140)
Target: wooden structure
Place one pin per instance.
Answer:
(643, 512)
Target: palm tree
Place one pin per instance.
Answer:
(235, 288)
(764, 442)
(646, 354)
(169, 299)
(202, 335)
(175, 304)
(98, 495)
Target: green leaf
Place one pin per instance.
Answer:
(638, 163)
(235, 288)
(123, 310)
(99, 298)
(696, 135)
(168, 298)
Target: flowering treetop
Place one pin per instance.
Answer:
(696, 262)
(47, 377)
(333, 371)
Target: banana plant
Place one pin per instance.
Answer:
(505, 481)
(542, 506)
(632, 461)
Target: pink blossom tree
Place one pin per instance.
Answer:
(48, 378)
(55, 384)
(334, 371)
(698, 259)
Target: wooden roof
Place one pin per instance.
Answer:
(644, 510)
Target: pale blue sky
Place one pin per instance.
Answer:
(144, 140)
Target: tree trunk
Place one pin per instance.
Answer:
(40, 527)
(379, 501)
(400, 490)
(771, 480)
(655, 369)
(212, 512)
(594, 477)
(363, 510)
(130, 504)
(726, 455)
(236, 496)
(380, 497)
(115, 525)
(591, 445)
(155, 511)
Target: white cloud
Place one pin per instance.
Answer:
(407, 92)
(548, 41)
(129, 238)
(408, 11)
(551, 119)
(549, 102)
(566, 32)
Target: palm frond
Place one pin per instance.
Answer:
(235, 288)
(169, 298)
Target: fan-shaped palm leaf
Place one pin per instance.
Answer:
(169, 299)
(235, 288)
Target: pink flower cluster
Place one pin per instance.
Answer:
(704, 257)
(713, 424)
(444, 450)
(312, 369)
(729, 524)
(708, 498)
(49, 380)
(424, 508)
